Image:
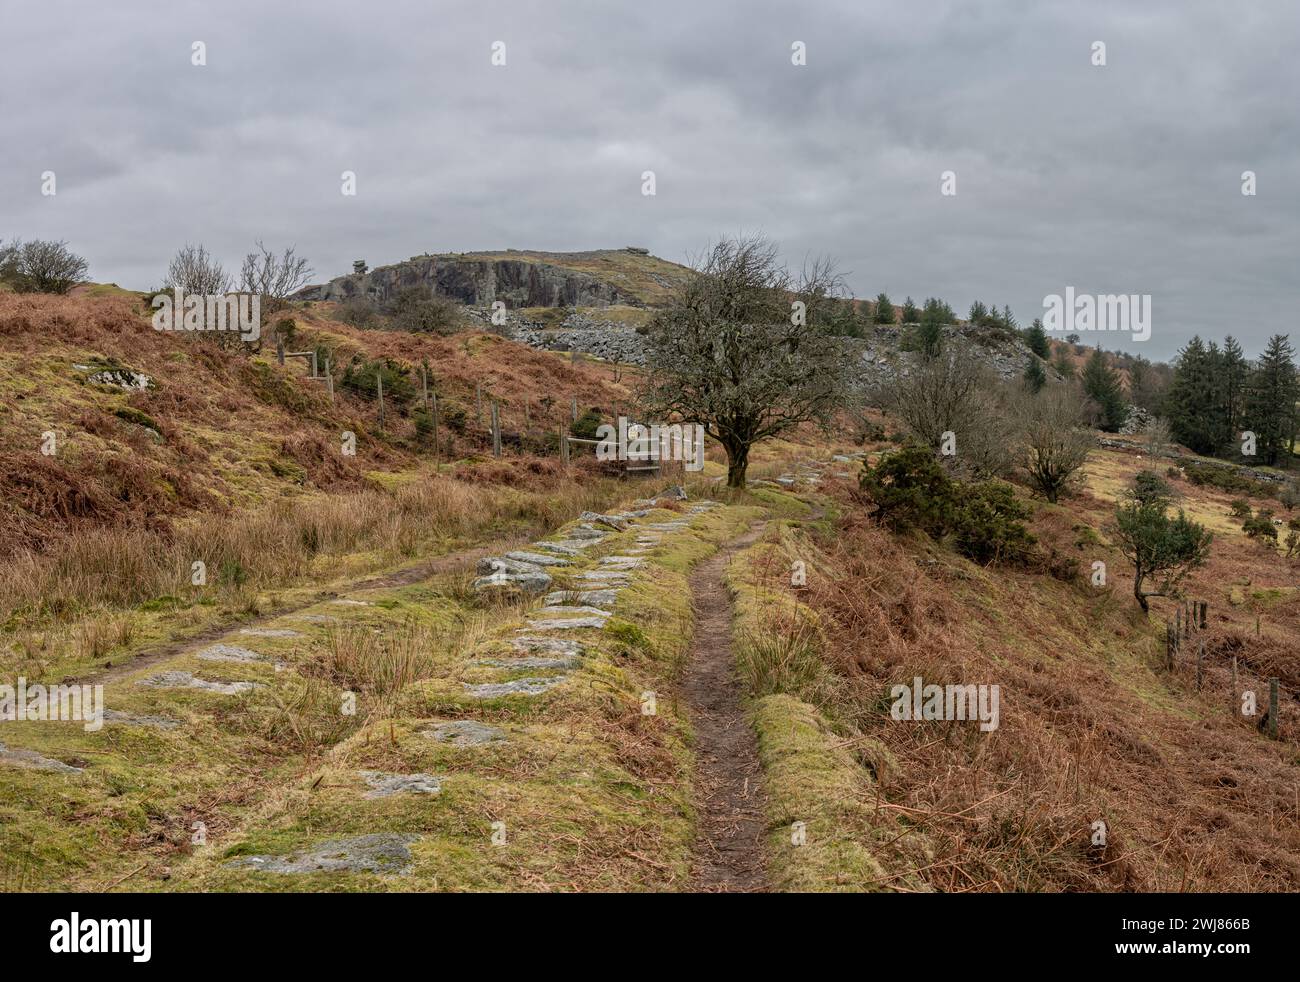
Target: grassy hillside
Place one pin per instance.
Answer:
(1093, 728)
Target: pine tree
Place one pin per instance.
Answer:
(910, 313)
(884, 310)
(1037, 339)
(1189, 403)
(1101, 384)
(1008, 318)
(1063, 365)
(977, 313)
(1232, 379)
(929, 333)
(1271, 400)
(1139, 383)
(1035, 378)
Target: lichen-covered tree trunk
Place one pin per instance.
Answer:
(737, 463)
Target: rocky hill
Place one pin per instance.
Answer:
(519, 278)
(594, 302)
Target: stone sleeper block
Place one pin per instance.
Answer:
(567, 646)
(537, 582)
(32, 761)
(568, 624)
(604, 576)
(465, 733)
(265, 632)
(384, 852)
(519, 687)
(503, 564)
(596, 598)
(531, 661)
(127, 719)
(231, 652)
(185, 680)
(536, 558)
(384, 785)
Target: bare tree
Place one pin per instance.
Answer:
(274, 277)
(956, 392)
(9, 260)
(1158, 437)
(1053, 441)
(742, 349)
(43, 267)
(193, 270)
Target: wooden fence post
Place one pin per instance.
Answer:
(435, 428)
(329, 378)
(564, 448)
(379, 385)
(424, 385)
(279, 350)
(496, 430)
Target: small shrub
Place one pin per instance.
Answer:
(911, 490)
(1240, 508)
(586, 425)
(455, 416)
(989, 525)
(1260, 527)
(1148, 486)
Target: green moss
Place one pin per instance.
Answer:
(134, 416)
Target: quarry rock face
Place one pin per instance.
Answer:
(475, 282)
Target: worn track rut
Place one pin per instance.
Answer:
(729, 854)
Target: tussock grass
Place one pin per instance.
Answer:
(378, 664)
(274, 546)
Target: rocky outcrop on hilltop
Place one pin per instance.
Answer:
(476, 282)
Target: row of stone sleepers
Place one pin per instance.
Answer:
(549, 648)
(547, 641)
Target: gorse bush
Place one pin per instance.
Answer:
(363, 377)
(989, 524)
(985, 521)
(1227, 479)
(1260, 526)
(1148, 486)
(910, 490)
(586, 425)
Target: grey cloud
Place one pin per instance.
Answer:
(1117, 179)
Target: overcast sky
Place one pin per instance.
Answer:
(1117, 179)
